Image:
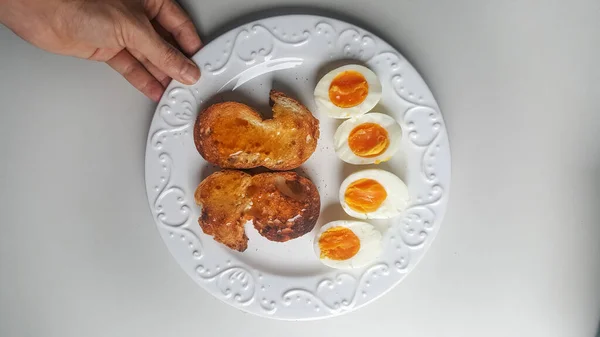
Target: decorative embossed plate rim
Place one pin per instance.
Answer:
(286, 281)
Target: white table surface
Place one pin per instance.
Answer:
(518, 254)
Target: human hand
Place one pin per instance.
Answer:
(122, 33)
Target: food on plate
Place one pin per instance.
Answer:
(373, 194)
(368, 139)
(281, 205)
(233, 135)
(348, 91)
(223, 201)
(348, 244)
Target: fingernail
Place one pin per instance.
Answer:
(156, 93)
(190, 73)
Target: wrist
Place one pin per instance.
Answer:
(4, 8)
(11, 12)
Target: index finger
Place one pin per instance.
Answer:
(178, 23)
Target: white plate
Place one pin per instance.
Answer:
(286, 280)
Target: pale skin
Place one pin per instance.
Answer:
(146, 41)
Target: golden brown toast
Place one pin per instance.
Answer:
(285, 205)
(281, 205)
(222, 197)
(233, 135)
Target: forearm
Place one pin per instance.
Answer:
(28, 18)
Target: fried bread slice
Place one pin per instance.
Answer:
(281, 205)
(233, 135)
(285, 205)
(222, 197)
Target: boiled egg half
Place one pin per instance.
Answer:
(373, 194)
(348, 244)
(348, 91)
(368, 139)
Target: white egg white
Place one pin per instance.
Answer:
(343, 150)
(370, 244)
(397, 194)
(324, 104)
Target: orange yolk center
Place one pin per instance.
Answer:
(365, 195)
(338, 243)
(348, 89)
(368, 140)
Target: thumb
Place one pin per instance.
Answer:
(164, 56)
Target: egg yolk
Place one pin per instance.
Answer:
(365, 195)
(348, 89)
(368, 140)
(338, 243)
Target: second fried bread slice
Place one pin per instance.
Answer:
(281, 205)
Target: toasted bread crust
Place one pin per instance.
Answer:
(281, 205)
(233, 135)
(284, 205)
(222, 197)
